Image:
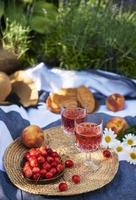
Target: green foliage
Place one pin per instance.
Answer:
(95, 35)
(131, 129)
(42, 17)
(24, 21)
(79, 35)
(1, 8)
(15, 38)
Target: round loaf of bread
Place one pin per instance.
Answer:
(5, 86)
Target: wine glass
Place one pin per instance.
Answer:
(88, 138)
(68, 117)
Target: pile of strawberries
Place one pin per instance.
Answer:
(42, 163)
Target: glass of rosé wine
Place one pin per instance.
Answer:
(88, 137)
(68, 117)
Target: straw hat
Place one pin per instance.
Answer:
(24, 87)
(5, 86)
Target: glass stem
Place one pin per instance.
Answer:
(88, 157)
(89, 162)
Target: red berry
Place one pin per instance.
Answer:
(53, 170)
(43, 148)
(63, 186)
(41, 159)
(57, 160)
(32, 152)
(47, 166)
(43, 173)
(107, 153)
(49, 151)
(49, 175)
(55, 154)
(36, 176)
(69, 163)
(26, 164)
(60, 167)
(43, 151)
(50, 159)
(76, 179)
(36, 170)
(27, 172)
(27, 155)
(54, 164)
(33, 162)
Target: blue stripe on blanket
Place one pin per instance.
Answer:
(112, 76)
(7, 190)
(14, 122)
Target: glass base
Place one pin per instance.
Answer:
(68, 132)
(88, 158)
(94, 167)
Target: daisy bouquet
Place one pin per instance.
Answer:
(126, 148)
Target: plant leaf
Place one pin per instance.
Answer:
(43, 17)
(40, 24)
(15, 13)
(1, 8)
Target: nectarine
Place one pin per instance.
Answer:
(32, 136)
(117, 124)
(115, 102)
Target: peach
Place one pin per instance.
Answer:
(115, 102)
(117, 124)
(32, 136)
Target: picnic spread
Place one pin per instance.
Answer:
(31, 115)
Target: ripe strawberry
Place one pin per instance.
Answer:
(76, 179)
(106, 153)
(69, 163)
(63, 187)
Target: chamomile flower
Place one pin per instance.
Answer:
(119, 147)
(131, 156)
(109, 138)
(129, 140)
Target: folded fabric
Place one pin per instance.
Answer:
(98, 81)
